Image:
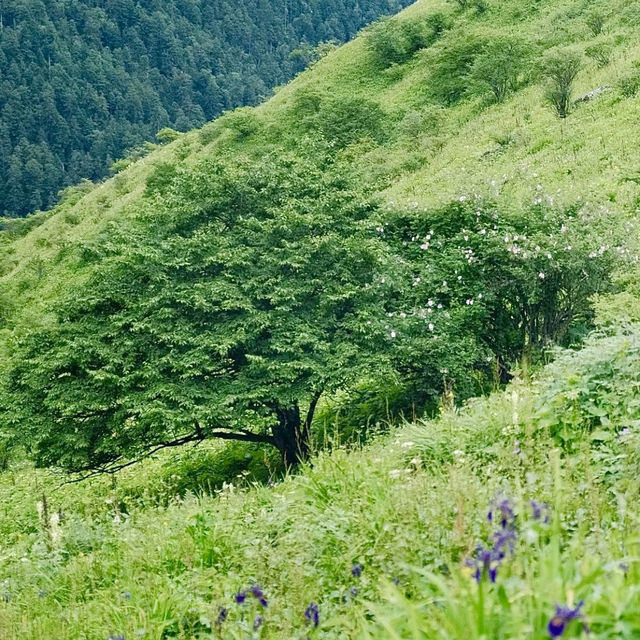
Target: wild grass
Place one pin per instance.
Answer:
(409, 508)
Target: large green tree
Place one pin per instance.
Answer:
(240, 296)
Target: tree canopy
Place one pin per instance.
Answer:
(224, 312)
(244, 290)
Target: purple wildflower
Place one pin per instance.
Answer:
(353, 591)
(540, 511)
(356, 570)
(484, 562)
(256, 592)
(312, 614)
(116, 638)
(257, 623)
(503, 538)
(562, 617)
(240, 597)
(126, 595)
(502, 510)
(223, 612)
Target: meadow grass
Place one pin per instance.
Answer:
(409, 508)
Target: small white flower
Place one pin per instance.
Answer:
(407, 445)
(431, 327)
(541, 275)
(393, 334)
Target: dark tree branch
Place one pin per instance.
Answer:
(243, 436)
(111, 468)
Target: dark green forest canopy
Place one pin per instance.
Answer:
(81, 81)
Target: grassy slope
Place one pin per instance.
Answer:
(409, 506)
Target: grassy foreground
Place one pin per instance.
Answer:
(556, 458)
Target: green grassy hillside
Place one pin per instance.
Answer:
(392, 539)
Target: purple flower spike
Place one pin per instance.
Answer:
(356, 570)
(312, 614)
(240, 597)
(257, 623)
(502, 511)
(257, 592)
(562, 617)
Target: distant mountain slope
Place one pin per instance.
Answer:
(82, 81)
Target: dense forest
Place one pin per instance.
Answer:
(82, 81)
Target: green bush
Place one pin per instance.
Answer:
(593, 393)
(305, 105)
(420, 121)
(369, 408)
(343, 121)
(501, 67)
(600, 52)
(595, 22)
(393, 41)
(628, 83)
(242, 122)
(449, 77)
(560, 67)
(205, 471)
(167, 134)
(160, 178)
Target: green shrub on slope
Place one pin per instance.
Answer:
(593, 393)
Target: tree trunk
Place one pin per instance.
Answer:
(291, 437)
